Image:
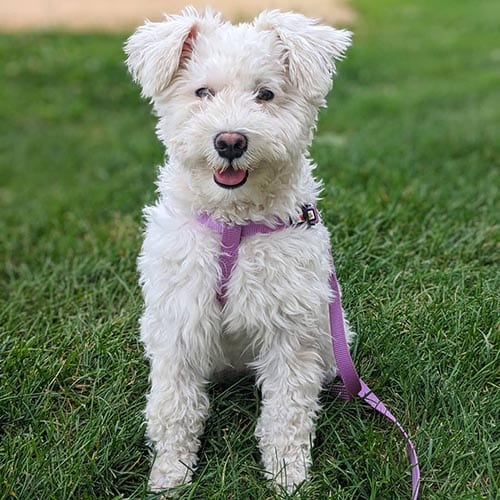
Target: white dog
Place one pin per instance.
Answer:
(237, 105)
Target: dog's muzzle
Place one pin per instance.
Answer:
(230, 146)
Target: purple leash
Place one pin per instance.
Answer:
(231, 236)
(355, 386)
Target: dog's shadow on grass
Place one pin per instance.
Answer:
(228, 454)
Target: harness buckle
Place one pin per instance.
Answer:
(310, 214)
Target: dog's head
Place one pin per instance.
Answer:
(236, 103)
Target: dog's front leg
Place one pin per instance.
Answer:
(181, 354)
(290, 378)
(176, 411)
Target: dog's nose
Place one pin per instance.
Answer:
(230, 145)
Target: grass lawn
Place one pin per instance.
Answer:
(409, 150)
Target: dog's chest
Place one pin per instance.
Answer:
(277, 277)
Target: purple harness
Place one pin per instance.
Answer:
(353, 385)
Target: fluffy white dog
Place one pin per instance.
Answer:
(237, 105)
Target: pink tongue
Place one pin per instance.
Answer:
(230, 176)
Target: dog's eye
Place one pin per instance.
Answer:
(265, 95)
(204, 92)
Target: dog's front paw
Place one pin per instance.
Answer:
(285, 476)
(167, 473)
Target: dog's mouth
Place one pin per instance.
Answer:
(230, 177)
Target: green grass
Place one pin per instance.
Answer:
(409, 152)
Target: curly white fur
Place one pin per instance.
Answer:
(275, 321)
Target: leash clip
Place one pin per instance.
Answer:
(310, 214)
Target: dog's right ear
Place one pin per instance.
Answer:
(157, 50)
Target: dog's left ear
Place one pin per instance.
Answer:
(157, 50)
(309, 50)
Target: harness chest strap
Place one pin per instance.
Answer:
(231, 236)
